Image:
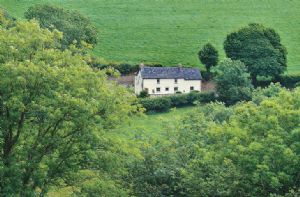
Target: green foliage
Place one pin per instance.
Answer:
(178, 100)
(55, 111)
(75, 27)
(289, 81)
(126, 68)
(156, 104)
(255, 152)
(144, 94)
(208, 56)
(6, 20)
(261, 94)
(157, 174)
(232, 82)
(259, 48)
(286, 80)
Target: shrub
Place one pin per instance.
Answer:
(178, 100)
(288, 81)
(156, 104)
(125, 69)
(206, 75)
(143, 94)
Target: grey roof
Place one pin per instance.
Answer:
(170, 73)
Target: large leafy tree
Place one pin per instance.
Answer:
(251, 150)
(75, 27)
(233, 81)
(55, 111)
(259, 48)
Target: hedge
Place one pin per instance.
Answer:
(288, 81)
(156, 104)
(164, 103)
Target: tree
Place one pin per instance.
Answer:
(54, 112)
(208, 56)
(5, 19)
(233, 82)
(259, 48)
(254, 152)
(75, 27)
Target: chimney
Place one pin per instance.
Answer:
(142, 65)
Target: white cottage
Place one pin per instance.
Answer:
(160, 81)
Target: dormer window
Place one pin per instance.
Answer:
(158, 81)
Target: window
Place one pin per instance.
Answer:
(192, 88)
(157, 89)
(167, 89)
(158, 81)
(176, 89)
(175, 81)
(146, 89)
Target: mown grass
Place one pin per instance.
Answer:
(171, 31)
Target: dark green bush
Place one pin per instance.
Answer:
(288, 81)
(125, 69)
(179, 99)
(206, 76)
(156, 104)
(143, 94)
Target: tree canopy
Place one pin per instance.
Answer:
(233, 82)
(259, 48)
(254, 152)
(55, 111)
(75, 27)
(249, 149)
(208, 56)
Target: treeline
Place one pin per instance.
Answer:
(249, 149)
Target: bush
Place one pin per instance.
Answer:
(178, 100)
(206, 75)
(125, 69)
(143, 94)
(156, 104)
(288, 81)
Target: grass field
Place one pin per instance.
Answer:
(153, 125)
(171, 31)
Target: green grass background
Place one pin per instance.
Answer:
(172, 31)
(155, 126)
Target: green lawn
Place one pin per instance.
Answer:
(153, 125)
(171, 31)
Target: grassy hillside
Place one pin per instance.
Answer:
(153, 125)
(171, 31)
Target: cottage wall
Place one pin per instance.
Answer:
(138, 84)
(168, 86)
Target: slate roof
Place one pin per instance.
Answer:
(170, 73)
